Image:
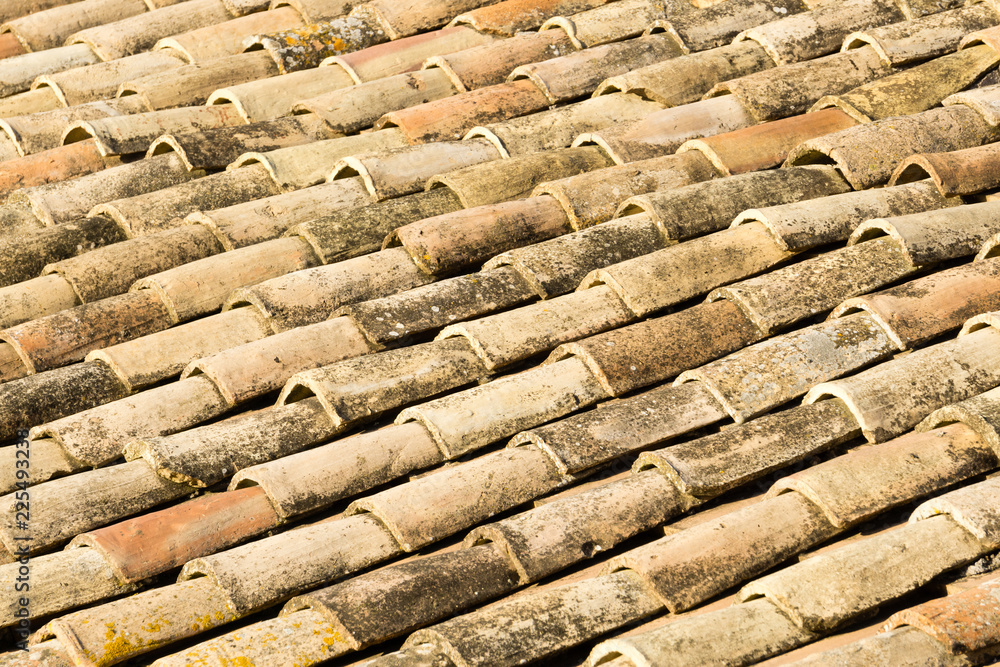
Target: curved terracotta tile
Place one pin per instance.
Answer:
(915, 384)
(692, 565)
(211, 148)
(111, 270)
(201, 287)
(318, 477)
(162, 209)
(17, 8)
(68, 336)
(794, 88)
(916, 89)
(430, 508)
(43, 131)
(397, 172)
(558, 127)
(306, 47)
(593, 196)
(661, 133)
(36, 399)
(558, 265)
(67, 201)
(357, 389)
(453, 240)
(867, 154)
(612, 22)
(53, 166)
(467, 577)
(208, 454)
(101, 81)
(513, 16)
(139, 33)
(203, 45)
(94, 437)
(315, 11)
(712, 205)
(50, 28)
(253, 369)
(490, 64)
(668, 277)
(10, 46)
(973, 507)
(938, 33)
(361, 229)
(310, 296)
(503, 407)
(717, 25)
(819, 32)
(402, 18)
(192, 84)
(768, 144)
(127, 134)
(407, 54)
(579, 73)
(29, 252)
(794, 362)
(43, 98)
(495, 181)
(961, 172)
(621, 358)
(929, 306)
(452, 117)
(35, 298)
(870, 480)
(159, 541)
(965, 623)
(274, 97)
(817, 221)
(515, 335)
(357, 108)
(265, 219)
(687, 78)
(19, 72)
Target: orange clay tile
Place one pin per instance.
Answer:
(966, 622)
(767, 145)
(159, 541)
(52, 166)
(963, 172)
(9, 46)
(450, 241)
(452, 117)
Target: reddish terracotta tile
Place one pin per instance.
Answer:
(966, 622)
(159, 541)
(929, 306)
(767, 145)
(490, 64)
(963, 172)
(623, 359)
(51, 166)
(453, 240)
(452, 117)
(9, 46)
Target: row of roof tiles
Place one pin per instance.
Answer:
(405, 290)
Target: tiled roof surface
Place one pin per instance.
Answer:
(464, 332)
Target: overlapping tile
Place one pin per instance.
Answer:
(308, 224)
